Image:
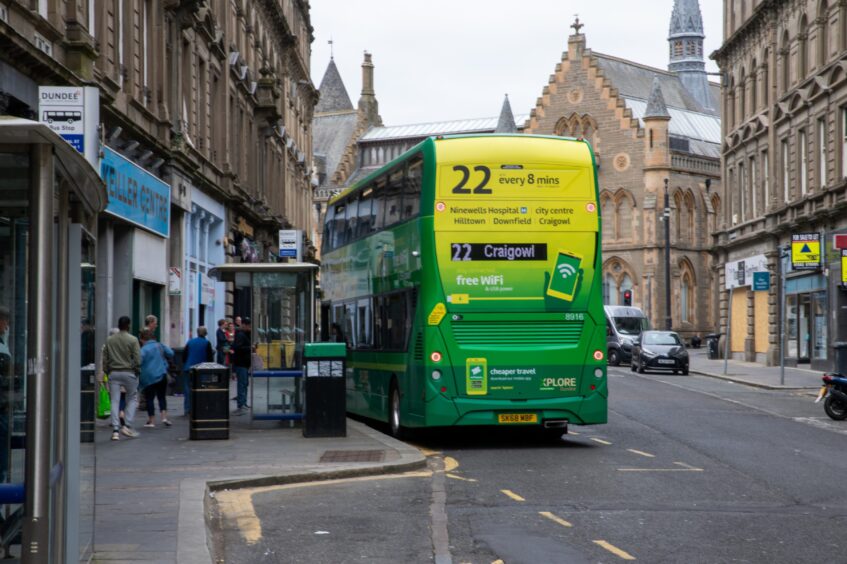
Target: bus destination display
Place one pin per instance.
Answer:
(498, 251)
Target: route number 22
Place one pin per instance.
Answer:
(466, 175)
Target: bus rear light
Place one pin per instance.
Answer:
(593, 387)
(436, 375)
(598, 355)
(443, 389)
(435, 356)
(598, 372)
(440, 206)
(590, 207)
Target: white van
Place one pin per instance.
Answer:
(624, 324)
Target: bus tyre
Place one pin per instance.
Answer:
(397, 430)
(614, 357)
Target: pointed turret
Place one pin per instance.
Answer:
(333, 94)
(656, 106)
(656, 120)
(506, 123)
(686, 50)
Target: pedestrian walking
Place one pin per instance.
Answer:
(242, 359)
(221, 342)
(196, 350)
(154, 377)
(122, 362)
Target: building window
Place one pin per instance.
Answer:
(766, 181)
(742, 96)
(822, 152)
(624, 218)
(844, 141)
(823, 33)
(685, 299)
(803, 50)
(785, 53)
(754, 187)
(754, 86)
(607, 208)
(677, 48)
(785, 170)
(742, 190)
(804, 164)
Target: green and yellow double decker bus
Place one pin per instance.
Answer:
(465, 278)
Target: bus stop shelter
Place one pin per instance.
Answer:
(280, 299)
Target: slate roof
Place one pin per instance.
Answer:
(333, 94)
(635, 81)
(686, 18)
(480, 125)
(506, 121)
(330, 137)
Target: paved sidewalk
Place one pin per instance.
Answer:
(753, 374)
(150, 491)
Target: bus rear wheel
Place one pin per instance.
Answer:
(397, 430)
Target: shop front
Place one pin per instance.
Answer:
(49, 200)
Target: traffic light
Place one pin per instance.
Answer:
(627, 297)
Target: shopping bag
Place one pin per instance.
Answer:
(104, 403)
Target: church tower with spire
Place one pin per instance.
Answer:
(685, 39)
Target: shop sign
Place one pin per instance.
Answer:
(207, 291)
(844, 267)
(74, 113)
(135, 195)
(839, 241)
(806, 251)
(174, 281)
(290, 243)
(740, 273)
(761, 281)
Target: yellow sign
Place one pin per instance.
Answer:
(844, 267)
(438, 313)
(806, 251)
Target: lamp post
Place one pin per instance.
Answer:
(667, 219)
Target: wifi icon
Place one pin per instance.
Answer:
(566, 270)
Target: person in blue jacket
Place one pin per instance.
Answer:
(196, 350)
(154, 376)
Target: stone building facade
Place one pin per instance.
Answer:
(213, 98)
(652, 131)
(784, 155)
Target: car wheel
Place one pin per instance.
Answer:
(614, 357)
(675, 372)
(685, 371)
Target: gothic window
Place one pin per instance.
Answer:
(690, 48)
(766, 85)
(689, 216)
(730, 107)
(742, 95)
(677, 48)
(624, 217)
(607, 212)
(713, 217)
(616, 281)
(577, 126)
(677, 216)
(686, 294)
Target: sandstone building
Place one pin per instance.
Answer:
(652, 130)
(784, 148)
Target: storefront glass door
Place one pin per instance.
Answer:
(804, 326)
(819, 329)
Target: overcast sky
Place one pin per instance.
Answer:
(455, 59)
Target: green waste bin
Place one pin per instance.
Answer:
(325, 410)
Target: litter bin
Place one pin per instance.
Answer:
(87, 404)
(840, 357)
(325, 410)
(209, 391)
(712, 345)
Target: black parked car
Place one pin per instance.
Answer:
(659, 350)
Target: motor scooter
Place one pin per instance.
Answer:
(834, 394)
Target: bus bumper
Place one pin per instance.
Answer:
(578, 410)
